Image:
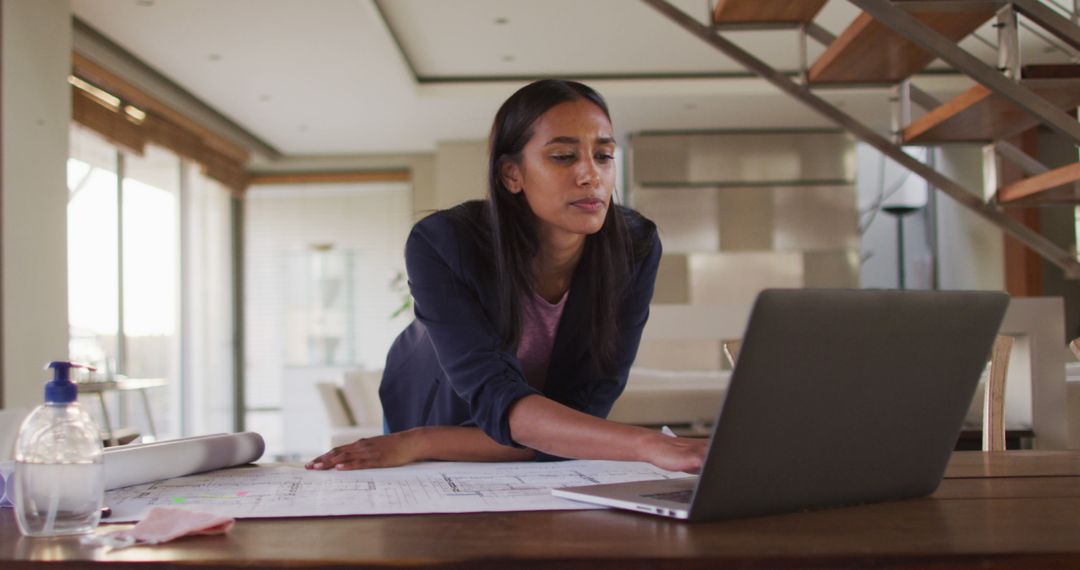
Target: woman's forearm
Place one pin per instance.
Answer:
(545, 425)
(536, 422)
(450, 443)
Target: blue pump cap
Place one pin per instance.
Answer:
(61, 390)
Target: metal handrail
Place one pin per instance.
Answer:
(1072, 54)
(1044, 247)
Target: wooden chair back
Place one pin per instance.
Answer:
(731, 349)
(338, 413)
(994, 395)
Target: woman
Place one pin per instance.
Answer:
(529, 306)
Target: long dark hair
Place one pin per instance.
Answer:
(607, 261)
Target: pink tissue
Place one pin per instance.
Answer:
(164, 524)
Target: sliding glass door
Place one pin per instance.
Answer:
(150, 283)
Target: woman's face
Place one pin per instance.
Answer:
(567, 170)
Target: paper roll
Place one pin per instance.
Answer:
(137, 464)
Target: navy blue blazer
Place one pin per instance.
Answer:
(448, 367)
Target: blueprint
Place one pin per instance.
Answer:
(280, 490)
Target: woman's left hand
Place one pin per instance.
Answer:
(382, 451)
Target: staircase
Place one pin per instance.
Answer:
(980, 115)
(892, 40)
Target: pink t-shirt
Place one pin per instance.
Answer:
(540, 321)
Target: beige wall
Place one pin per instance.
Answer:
(455, 172)
(36, 106)
(420, 165)
(742, 211)
(971, 252)
(460, 172)
(739, 212)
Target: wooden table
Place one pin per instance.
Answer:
(1008, 509)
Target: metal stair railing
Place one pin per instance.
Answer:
(971, 200)
(928, 39)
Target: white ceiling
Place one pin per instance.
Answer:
(571, 37)
(327, 77)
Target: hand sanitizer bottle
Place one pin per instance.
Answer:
(59, 474)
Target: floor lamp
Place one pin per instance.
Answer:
(910, 197)
(898, 212)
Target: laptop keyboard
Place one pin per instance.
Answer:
(673, 496)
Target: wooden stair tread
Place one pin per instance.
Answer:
(869, 52)
(1053, 185)
(1051, 71)
(980, 115)
(766, 11)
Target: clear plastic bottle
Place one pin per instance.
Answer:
(59, 474)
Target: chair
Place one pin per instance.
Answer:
(731, 349)
(352, 410)
(994, 395)
(337, 409)
(361, 391)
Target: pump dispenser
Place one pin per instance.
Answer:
(61, 390)
(59, 474)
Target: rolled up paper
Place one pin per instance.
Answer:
(138, 464)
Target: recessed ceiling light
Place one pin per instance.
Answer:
(214, 57)
(502, 21)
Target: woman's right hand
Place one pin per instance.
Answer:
(381, 451)
(684, 454)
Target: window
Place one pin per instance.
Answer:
(132, 310)
(150, 295)
(93, 291)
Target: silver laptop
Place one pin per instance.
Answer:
(839, 397)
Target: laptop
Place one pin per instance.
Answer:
(839, 397)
